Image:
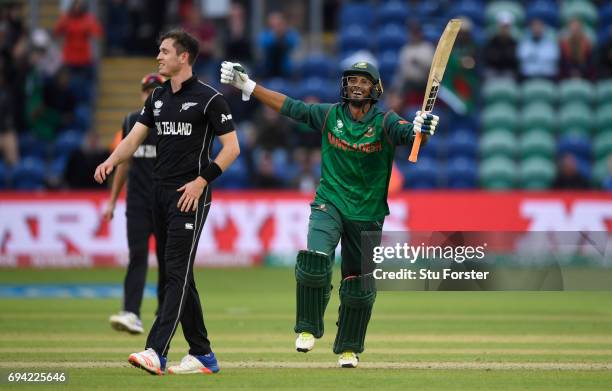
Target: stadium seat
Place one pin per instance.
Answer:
(576, 118)
(500, 91)
(392, 12)
(29, 174)
(604, 116)
(576, 145)
(317, 65)
(582, 9)
(462, 145)
(435, 148)
(391, 37)
(462, 174)
(356, 13)
(497, 173)
(494, 8)
(602, 145)
(236, 176)
(472, 9)
(544, 10)
(576, 90)
(604, 92)
(605, 14)
(314, 86)
(536, 173)
(500, 143)
(31, 146)
(423, 175)
(538, 90)
(388, 66)
(537, 143)
(67, 142)
(538, 116)
(500, 116)
(353, 38)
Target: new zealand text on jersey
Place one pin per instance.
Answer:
(173, 128)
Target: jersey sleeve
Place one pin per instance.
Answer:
(312, 114)
(146, 114)
(399, 130)
(220, 116)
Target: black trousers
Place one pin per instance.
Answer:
(139, 228)
(179, 235)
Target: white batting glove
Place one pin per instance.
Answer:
(425, 123)
(234, 74)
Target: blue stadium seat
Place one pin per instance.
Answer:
(577, 145)
(391, 37)
(236, 176)
(605, 15)
(435, 148)
(462, 145)
(423, 175)
(360, 14)
(318, 87)
(388, 66)
(29, 174)
(392, 12)
(462, 174)
(544, 10)
(67, 142)
(279, 84)
(82, 117)
(31, 146)
(472, 9)
(352, 39)
(317, 65)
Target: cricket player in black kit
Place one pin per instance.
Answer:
(187, 114)
(138, 171)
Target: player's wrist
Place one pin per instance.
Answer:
(247, 89)
(211, 172)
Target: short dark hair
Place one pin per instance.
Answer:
(183, 42)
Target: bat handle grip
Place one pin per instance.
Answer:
(416, 145)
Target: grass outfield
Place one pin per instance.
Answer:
(423, 340)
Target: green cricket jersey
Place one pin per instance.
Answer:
(356, 156)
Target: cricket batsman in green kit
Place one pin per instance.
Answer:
(358, 145)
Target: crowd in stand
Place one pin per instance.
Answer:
(48, 78)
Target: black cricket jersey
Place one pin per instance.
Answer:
(186, 123)
(140, 175)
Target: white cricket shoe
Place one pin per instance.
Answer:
(126, 321)
(148, 360)
(304, 342)
(206, 364)
(348, 360)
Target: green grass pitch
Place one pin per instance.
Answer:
(416, 340)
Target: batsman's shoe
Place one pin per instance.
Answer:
(348, 360)
(148, 360)
(126, 321)
(206, 364)
(304, 342)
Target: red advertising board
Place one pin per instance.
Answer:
(66, 230)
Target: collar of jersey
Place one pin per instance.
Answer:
(366, 118)
(184, 85)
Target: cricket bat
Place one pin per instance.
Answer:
(436, 72)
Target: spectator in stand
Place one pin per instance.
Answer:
(414, 63)
(51, 60)
(568, 175)
(538, 53)
(265, 174)
(204, 30)
(78, 27)
(305, 180)
(605, 56)
(83, 161)
(500, 50)
(607, 181)
(237, 43)
(272, 130)
(117, 26)
(9, 151)
(277, 44)
(576, 52)
(59, 96)
(41, 119)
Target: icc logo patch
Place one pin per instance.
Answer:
(158, 104)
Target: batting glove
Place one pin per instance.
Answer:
(425, 123)
(234, 74)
